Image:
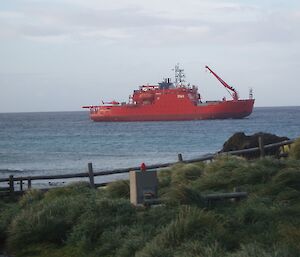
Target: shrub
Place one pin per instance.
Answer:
(289, 177)
(99, 218)
(72, 190)
(118, 189)
(7, 213)
(290, 235)
(155, 250)
(49, 250)
(289, 213)
(164, 177)
(110, 240)
(179, 174)
(47, 221)
(295, 150)
(184, 174)
(191, 223)
(257, 218)
(30, 197)
(198, 249)
(154, 218)
(262, 170)
(220, 175)
(288, 195)
(181, 194)
(225, 163)
(135, 239)
(256, 250)
(148, 224)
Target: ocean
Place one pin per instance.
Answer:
(51, 143)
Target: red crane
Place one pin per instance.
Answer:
(234, 93)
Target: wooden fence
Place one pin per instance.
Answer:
(91, 174)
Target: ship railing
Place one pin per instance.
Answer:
(17, 185)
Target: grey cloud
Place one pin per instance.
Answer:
(41, 30)
(134, 25)
(275, 28)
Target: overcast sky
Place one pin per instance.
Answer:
(57, 55)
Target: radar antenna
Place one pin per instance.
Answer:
(179, 75)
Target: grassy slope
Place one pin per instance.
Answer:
(78, 221)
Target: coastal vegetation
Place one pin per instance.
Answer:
(79, 221)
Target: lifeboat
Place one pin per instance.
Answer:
(143, 97)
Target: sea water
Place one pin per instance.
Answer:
(52, 143)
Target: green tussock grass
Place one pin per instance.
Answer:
(118, 189)
(7, 212)
(79, 221)
(295, 150)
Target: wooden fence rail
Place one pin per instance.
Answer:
(91, 174)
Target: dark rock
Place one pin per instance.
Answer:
(240, 141)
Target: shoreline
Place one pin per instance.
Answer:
(182, 190)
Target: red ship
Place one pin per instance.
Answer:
(170, 101)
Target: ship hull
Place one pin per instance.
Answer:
(235, 109)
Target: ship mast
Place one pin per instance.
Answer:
(179, 76)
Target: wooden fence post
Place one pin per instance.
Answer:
(91, 175)
(11, 184)
(29, 183)
(21, 185)
(261, 146)
(180, 159)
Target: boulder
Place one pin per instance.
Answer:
(240, 141)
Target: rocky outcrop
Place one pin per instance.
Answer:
(240, 141)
